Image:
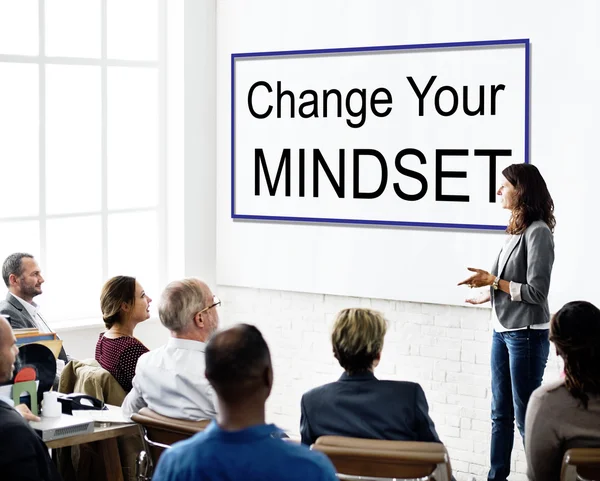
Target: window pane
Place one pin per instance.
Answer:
(73, 268)
(132, 137)
(22, 236)
(125, 17)
(175, 139)
(73, 136)
(133, 248)
(19, 27)
(67, 20)
(19, 135)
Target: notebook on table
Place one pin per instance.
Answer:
(64, 426)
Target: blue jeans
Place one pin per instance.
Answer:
(518, 363)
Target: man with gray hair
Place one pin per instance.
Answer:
(170, 380)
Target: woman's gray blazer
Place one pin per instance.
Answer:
(528, 263)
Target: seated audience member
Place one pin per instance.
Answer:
(239, 445)
(23, 455)
(23, 277)
(565, 414)
(124, 305)
(358, 404)
(170, 380)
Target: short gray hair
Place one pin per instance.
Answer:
(13, 264)
(179, 302)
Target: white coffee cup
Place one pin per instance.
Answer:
(51, 407)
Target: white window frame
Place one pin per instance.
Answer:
(164, 203)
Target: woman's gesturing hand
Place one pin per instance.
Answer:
(481, 278)
(482, 298)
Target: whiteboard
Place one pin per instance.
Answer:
(408, 135)
(421, 264)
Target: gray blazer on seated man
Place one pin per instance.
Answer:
(22, 276)
(358, 404)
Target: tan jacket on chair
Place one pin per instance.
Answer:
(88, 377)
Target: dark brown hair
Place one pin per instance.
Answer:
(116, 291)
(575, 331)
(532, 200)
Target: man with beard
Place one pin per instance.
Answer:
(23, 277)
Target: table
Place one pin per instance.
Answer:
(106, 437)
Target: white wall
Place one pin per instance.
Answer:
(445, 348)
(564, 106)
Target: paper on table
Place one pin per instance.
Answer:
(110, 416)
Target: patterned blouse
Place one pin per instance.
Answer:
(119, 357)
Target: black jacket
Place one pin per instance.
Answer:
(361, 406)
(23, 455)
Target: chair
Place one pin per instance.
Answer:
(581, 464)
(365, 459)
(158, 433)
(86, 461)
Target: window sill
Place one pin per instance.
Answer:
(82, 324)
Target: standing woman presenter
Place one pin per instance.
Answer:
(519, 284)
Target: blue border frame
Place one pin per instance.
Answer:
(482, 43)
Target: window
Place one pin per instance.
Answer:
(90, 152)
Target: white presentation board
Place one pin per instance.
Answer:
(404, 262)
(411, 135)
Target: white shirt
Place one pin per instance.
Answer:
(515, 296)
(33, 310)
(170, 381)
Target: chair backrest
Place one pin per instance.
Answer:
(374, 458)
(581, 464)
(159, 432)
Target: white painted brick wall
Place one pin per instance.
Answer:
(444, 348)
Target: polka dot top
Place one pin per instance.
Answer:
(119, 357)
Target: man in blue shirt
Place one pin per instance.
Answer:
(239, 445)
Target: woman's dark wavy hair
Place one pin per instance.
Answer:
(575, 331)
(116, 291)
(533, 201)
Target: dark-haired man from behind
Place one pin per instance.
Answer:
(239, 445)
(23, 455)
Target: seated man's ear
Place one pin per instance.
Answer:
(377, 359)
(198, 319)
(268, 377)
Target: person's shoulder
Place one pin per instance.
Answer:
(552, 389)
(195, 450)
(150, 357)
(400, 386)
(538, 227)
(552, 395)
(319, 391)
(14, 428)
(7, 308)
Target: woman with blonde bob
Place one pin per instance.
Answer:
(124, 305)
(358, 404)
(565, 414)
